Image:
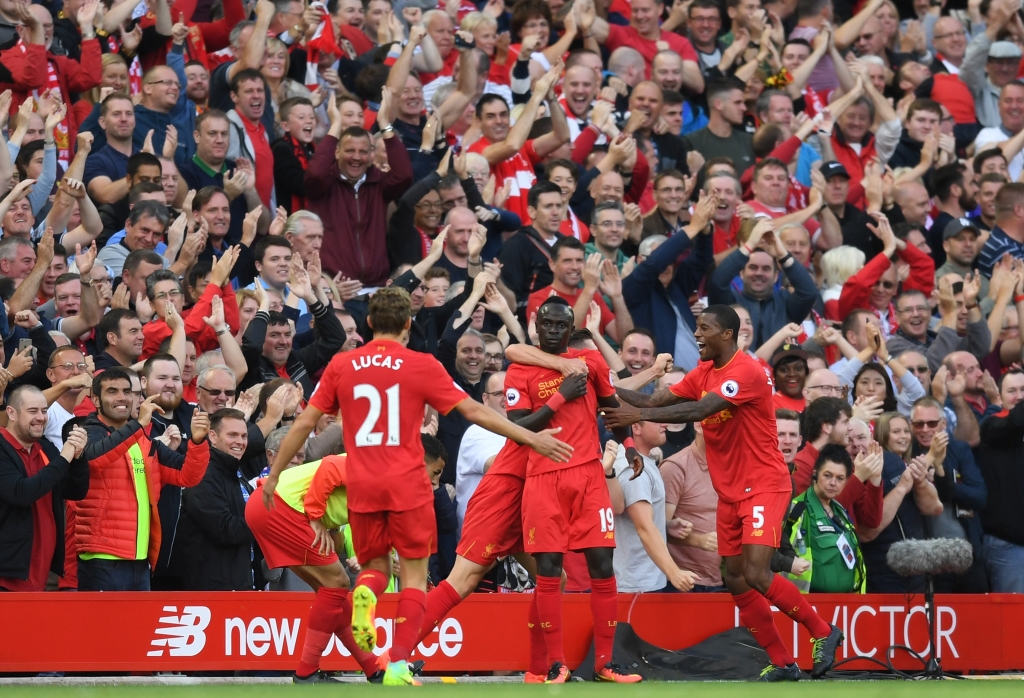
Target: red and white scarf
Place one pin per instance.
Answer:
(323, 42)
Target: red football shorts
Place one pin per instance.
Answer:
(413, 533)
(756, 520)
(493, 525)
(567, 510)
(283, 534)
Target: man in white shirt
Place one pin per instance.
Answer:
(70, 376)
(479, 446)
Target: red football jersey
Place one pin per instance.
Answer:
(742, 442)
(381, 389)
(511, 460)
(530, 387)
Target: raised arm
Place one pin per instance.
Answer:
(256, 47)
(399, 72)
(846, 35)
(518, 134)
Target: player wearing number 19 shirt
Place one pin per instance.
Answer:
(380, 391)
(730, 394)
(566, 506)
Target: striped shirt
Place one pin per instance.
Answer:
(998, 244)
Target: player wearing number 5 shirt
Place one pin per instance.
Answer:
(380, 391)
(730, 394)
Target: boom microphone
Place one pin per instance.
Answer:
(908, 558)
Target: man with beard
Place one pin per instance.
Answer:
(825, 421)
(293, 151)
(250, 139)
(669, 195)
(126, 466)
(758, 269)
(161, 380)
(37, 479)
(197, 85)
(955, 196)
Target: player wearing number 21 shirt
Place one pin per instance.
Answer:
(380, 391)
(730, 394)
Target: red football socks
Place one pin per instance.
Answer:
(549, 610)
(756, 615)
(604, 605)
(538, 649)
(788, 599)
(408, 621)
(440, 601)
(373, 580)
(328, 610)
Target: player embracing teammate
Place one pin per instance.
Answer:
(380, 390)
(730, 394)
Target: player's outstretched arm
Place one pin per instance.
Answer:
(296, 437)
(532, 356)
(662, 397)
(543, 443)
(624, 435)
(623, 416)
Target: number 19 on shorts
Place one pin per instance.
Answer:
(607, 519)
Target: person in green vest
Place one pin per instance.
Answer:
(818, 530)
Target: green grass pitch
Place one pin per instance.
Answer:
(832, 689)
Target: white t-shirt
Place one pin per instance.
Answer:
(635, 571)
(56, 418)
(477, 446)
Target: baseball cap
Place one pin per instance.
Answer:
(786, 351)
(1004, 49)
(834, 169)
(954, 227)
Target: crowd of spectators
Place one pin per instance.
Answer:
(200, 197)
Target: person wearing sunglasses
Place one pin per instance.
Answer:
(961, 490)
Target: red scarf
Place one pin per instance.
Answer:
(298, 202)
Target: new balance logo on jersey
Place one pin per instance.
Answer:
(184, 635)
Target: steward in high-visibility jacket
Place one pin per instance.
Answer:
(819, 531)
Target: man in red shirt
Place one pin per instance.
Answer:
(644, 34)
(566, 507)
(383, 387)
(35, 479)
(511, 156)
(569, 266)
(730, 394)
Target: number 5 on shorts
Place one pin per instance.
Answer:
(758, 513)
(607, 519)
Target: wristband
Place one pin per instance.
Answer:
(1018, 298)
(610, 477)
(627, 442)
(785, 260)
(746, 248)
(555, 402)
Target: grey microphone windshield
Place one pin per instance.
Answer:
(934, 556)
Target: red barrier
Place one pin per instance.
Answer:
(252, 630)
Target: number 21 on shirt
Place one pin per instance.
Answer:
(366, 436)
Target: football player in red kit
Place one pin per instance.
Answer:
(493, 528)
(730, 394)
(566, 506)
(380, 390)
